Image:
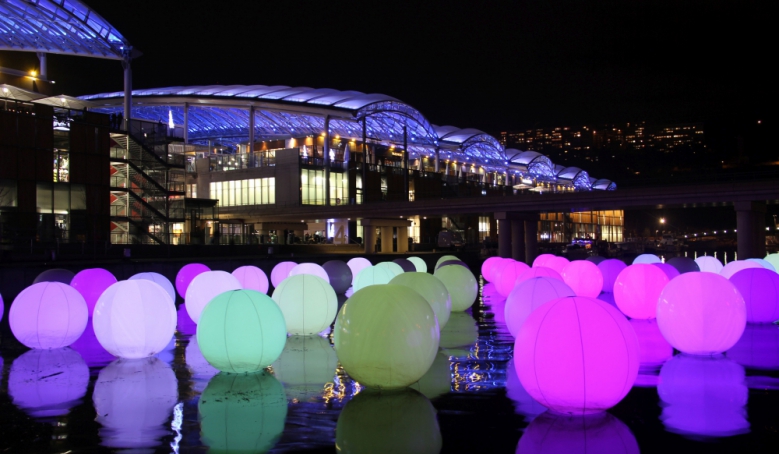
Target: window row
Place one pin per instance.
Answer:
(256, 191)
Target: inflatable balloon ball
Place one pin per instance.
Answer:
(555, 433)
(241, 331)
(419, 264)
(205, 287)
(444, 258)
(242, 413)
(252, 278)
(683, 264)
(358, 264)
(48, 315)
(281, 272)
(158, 279)
(91, 283)
(55, 275)
(488, 268)
(432, 289)
(506, 274)
(407, 265)
(305, 366)
(372, 275)
(610, 269)
(308, 303)
(402, 421)
(386, 336)
(529, 295)
(310, 268)
(637, 288)
(186, 274)
(393, 267)
(461, 284)
(339, 275)
(584, 278)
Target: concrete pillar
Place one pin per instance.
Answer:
(518, 241)
(369, 240)
(386, 239)
(186, 122)
(504, 238)
(128, 92)
(251, 129)
(531, 240)
(750, 223)
(43, 65)
(437, 159)
(402, 239)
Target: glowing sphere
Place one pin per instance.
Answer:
(310, 268)
(48, 315)
(703, 396)
(158, 279)
(393, 267)
(655, 350)
(55, 275)
(373, 275)
(308, 303)
(186, 274)
(683, 264)
(453, 262)
(200, 370)
(281, 272)
(637, 288)
(91, 283)
(432, 290)
(701, 313)
(461, 331)
(461, 284)
(386, 336)
(764, 263)
(357, 264)
(419, 264)
(540, 271)
(524, 404)
(251, 278)
(444, 258)
(758, 347)
(583, 277)
(737, 265)
(773, 259)
(306, 365)
(541, 259)
(610, 269)
(596, 259)
(556, 263)
(528, 295)
(506, 275)
(669, 270)
(47, 383)
(577, 355)
(646, 259)
(488, 268)
(94, 354)
(134, 400)
(241, 331)
(205, 287)
(709, 264)
(339, 275)
(552, 433)
(407, 265)
(242, 413)
(760, 289)
(134, 319)
(437, 381)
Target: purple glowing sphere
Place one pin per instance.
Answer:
(407, 265)
(252, 278)
(358, 264)
(55, 275)
(646, 259)
(637, 288)
(91, 283)
(737, 265)
(758, 347)
(556, 263)
(158, 279)
(488, 268)
(760, 289)
(610, 269)
(281, 272)
(583, 277)
(596, 259)
(541, 260)
(577, 355)
(552, 433)
(310, 268)
(340, 275)
(709, 264)
(683, 264)
(185, 276)
(48, 315)
(655, 350)
(701, 313)
(529, 295)
(669, 270)
(94, 354)
(540, 271)
(506, 276)
(524, 404)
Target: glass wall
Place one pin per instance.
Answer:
(312, 187)
(484, 227)
(339, 189)
(596, 225)
(57, 203)
(255, 191)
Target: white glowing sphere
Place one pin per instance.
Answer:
(281, 272)
(419, 264)
(530, 294)
(647, 259)
(358, 264)
(584, 278)
(396, 269)
(737, 265)
(773, 259)
(158, 279)
(372, 276)
(308, 302)
(48, 315)
(312, 269)
(764, 263)
(134, 319)
(205, 287)
(252, 278)
(709, 264)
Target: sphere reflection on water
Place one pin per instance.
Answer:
(758, 347)
(306, 364)
(552, 433)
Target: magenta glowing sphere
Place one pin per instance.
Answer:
(646, 259)
(540, 271)
(488, 268)
(610, 269)
(252, 278)
(506, 275)
(310, 268)
(205, 287)
(637, 288)
(583, 277)
(541, 260)
(48, 315)
(758, 347)
(701, 313)
(737, 265)
(556, 263)
(655, 350)
(577, 355)
(529, 295)
(358, 264)
(281, 272)
(552, 433)
(709, 264)
(760, 289)
(91, 283)
(158, 279)
(185, 276)
(669, 270)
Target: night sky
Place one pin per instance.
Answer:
(489, 65)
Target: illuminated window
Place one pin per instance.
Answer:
(256, 191)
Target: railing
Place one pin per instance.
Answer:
(222, 163)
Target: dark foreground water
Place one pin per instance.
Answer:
(81, 399)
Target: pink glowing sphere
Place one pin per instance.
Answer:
(577, 355)
(91, 283)
(701, 313)
(488, 268)
(205, 287)
(185, 276)
(737, 265)
(540, 271)
(583, 277)
(646, 259)
(312, 269)
(760, 289)
(610, 269)
(48, 315)
(529, 295)
(637, 288)
(557, 263)
(281, 272)
(506, 275)
(541, 260)
(669, 270)
(252, 278)
(709, 264)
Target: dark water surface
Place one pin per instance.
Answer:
(81, 399)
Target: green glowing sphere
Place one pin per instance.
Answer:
(443, 259)
(242, 413)
(308, 302)
(432, 289)
(461, 284)
(386, 336)
(372, 275)
(306, 366)
(419, 264)
(241, 331)
(402, 421)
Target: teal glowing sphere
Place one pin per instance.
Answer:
(392, 266)
(461, 284)
(419, 264)
(241, 331)
(386, 336)
(308, 302)
(372, 275)
(432, 289)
